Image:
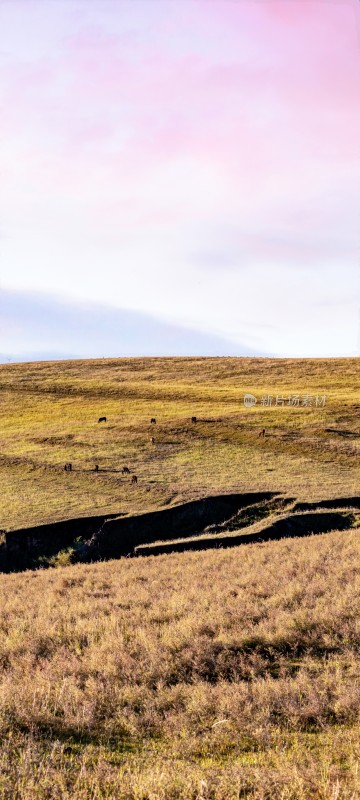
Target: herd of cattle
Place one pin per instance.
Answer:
(125, 470)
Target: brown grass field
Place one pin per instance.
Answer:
(212, 675)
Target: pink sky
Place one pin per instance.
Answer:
(147, 144)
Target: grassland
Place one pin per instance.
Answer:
(49, 414)
(213, 675)
(222, 675)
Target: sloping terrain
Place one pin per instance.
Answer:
(49, 417)
(219, 675)
(216, 675)
(296, 525)
(212, 522)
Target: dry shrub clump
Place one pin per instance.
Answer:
(195, 676)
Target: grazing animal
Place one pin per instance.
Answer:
(68, 467)
(126, 471)
(96, 468)
(152, 440)
(193, 419)
(102, 419)
(133, 479)
(153, 421)
(262, 432)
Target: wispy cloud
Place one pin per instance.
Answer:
(176, 159)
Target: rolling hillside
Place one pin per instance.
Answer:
(50, 411)
(228, 673)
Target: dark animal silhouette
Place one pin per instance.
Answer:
(153, 421)
(68, 467)
(102, 419)
(133, 479)
(96, 468)
(262, 432)
(193, 419)
(126, 471)
(152, 440)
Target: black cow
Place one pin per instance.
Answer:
(96, 468)
(193, 419)
(133, 479)
(102, 419)
(262, 432)
(153, 421)
(126, 471)
(68, 467)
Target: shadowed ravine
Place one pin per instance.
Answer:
(291, 526)
(219, 521)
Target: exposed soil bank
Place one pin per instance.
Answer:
(339, 502)
(120, 536)
(112, 536)
(293, 526)
(25, 544)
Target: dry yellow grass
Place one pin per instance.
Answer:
(220, 675)
(216, 675)
(49, 414)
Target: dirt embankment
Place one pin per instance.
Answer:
(112, 536)
(197, 525)
(121, 536)
(292, 526)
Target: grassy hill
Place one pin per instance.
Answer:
(213, 675)
(49, 416)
